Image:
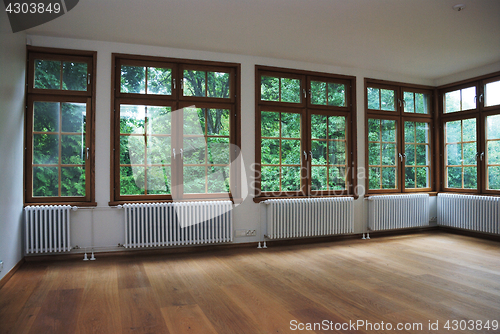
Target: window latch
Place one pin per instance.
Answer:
(481, 98)
(87, 153)
(481, 156)
(311, 154)
(174, 82)
(305, 94)
(173, 150)
(400, 157)
(181, 153)
(305, 155)
(88, 79)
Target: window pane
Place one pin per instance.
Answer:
(494, 178)
(218, 122)
(194, 150)
(422, 103)
(493, 125)
(382, 153)
(132, 119)
(218, 180)
(389, 178)
(336, 127)
(453, 131)
(452, 101)
(45, 149)
(194, 83)
(374, 181)
(218, 150)
(269, 124)
(159, 120)
(374, 153)
(194, 179)
(158, 180)
(73, 149)
(133, 79)
(269, 88)
(336, 95)
(410, 155)
(194, 121)
(45, 181)
(132, 180)
(74, 76)
(318, 92)
(158, 150)
(461, 152)
(423, 177)
(373, 129)
(73, 117)
(290, 90)
(47, 74)
(270, 151)
(409, 105)
(458, 100)
(136, 148)
(319, 178)
(218, 84)
(290, 179)
(318, 126)
(470, 177)
(373, 98)
(72, 181)
(492, 94)
(46, 116)
(387, 99)
(421, 153)
(409, 132)
(388, 154)
(469, 98)
(388, 128)
(319, 152)
(454, 179)
(290, 152)
(290, 125)
(469, 151)
(410, 177)
(159, 81)
(337, 178)
(422, 132)
(454, 154)
(469, 129)
(270, 178)
(494, 152)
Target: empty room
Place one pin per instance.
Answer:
(281, 166)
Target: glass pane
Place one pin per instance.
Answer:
(135, 146)
(422, 103)
(387, 99)
(452, 101)
(132, 180)
(132, 119)
(494, 178)
(493, 125)
(453, 131)
(410, 177)
(218, 150)
(194, 83)
(46, 116)
(336, 127)
(269, 88)
(422, 154)
(218, 122)
(290, 90)
(194, 150)
(469, 98)
(374, 154)
(158, 180)
(492, 94)
(336, 95)
(409, 105)
(72, 181)
(454, 154)
(319, 152)
(388, 130)
(290, 125)
(290, 152)
(270, 124)
(194, 121)
(218, 84)
(469, 131)
(194, 179)
(422, 132)
(74, 77)
(469, 151)
(493, 153)
(318, 92)
(133, 79)
(374, 178)
(45, 149)
(318, 126)
(45, 181)
(410, 155)
(218, 179)
(290, 179)
(270, 151)
(388, 178)
(73, 149)
(73, 117)
(337, 153)
(470, 177)
(337, 179)
(159, 149)
(159, 120)
(454, 177)
(373, 129)
(423, 177)
(319, 178)
(373, 95)
(270, 179)
(388, 154)
(159, 81)
(409, 132)
(47, 74)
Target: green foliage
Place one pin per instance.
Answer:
(271, 87)
(159, 81)
(133, 79)
(48, 75)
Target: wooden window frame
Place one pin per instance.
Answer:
(401, 117)
(177, 101)
(55, 95)
(306, 109)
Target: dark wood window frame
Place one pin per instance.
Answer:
(58, 95)
(480, 113)
(176, 100)
(306, 109)
(400, 116)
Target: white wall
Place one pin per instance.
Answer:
(107, 230)
(12, 79)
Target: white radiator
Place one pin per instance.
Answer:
(308, 217)
(471, 212)
(398, 211)
(177, 223)
(47, 229)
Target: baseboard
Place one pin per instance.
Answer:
(6, 278)
(470, 233)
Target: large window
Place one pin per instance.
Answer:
(470, 120)
(399, 123)
(60, 126)
(304, 135)
(175, 129)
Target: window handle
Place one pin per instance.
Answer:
(305, 155)
(88, 153)
(173, 82)
(88, 79)
(400, 104)
(182, 153)
(400, 157)
(481, 98)
(482, 156)
(311, 154)
(310, 94)
(174, 152)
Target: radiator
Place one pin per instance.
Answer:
(309, 217)
(471, 212)
(177, 223)
(398, 211)
(47, 229)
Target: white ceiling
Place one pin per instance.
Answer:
(422, 38)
